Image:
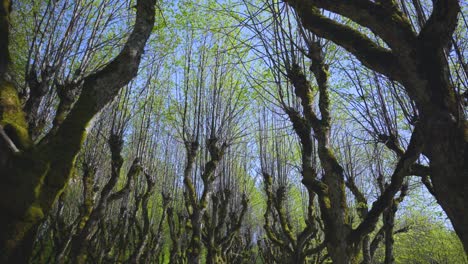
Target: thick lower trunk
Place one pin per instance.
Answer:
(195, 247)
(389, 223)
(342, 253)
(333, 208)
(445, 134)
(447, 149)
(20, 206)
(339, 248)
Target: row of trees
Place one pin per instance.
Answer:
(237, 132)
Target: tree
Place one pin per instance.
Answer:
(36, 173)
(211, 107)
(427, 241)
(295, 245)
(417, 60)
(88, 224)
(244, 137)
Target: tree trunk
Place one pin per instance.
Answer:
(389, 223)
(447, 150)
(446, 138)
(195, 247)
(334, 208)
(215, 256)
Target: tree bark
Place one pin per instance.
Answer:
(215, 256)
(389, 223)
(195, 246)
(331, 188)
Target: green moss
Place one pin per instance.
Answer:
(268, 179)
(361, 205)
(327, 203)
(83, 222)
(35, 213)
(12, 117)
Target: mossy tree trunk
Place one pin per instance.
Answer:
(221, 226)
(33, 175)
(331, 188)
(342, 241)
(88, 225)
(294, 247)
(196, 207)
(418, 62)
(144, 239)
(176, 229)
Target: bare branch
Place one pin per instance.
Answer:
(404, 165)
(366, 50)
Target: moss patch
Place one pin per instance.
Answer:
(12, 117)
